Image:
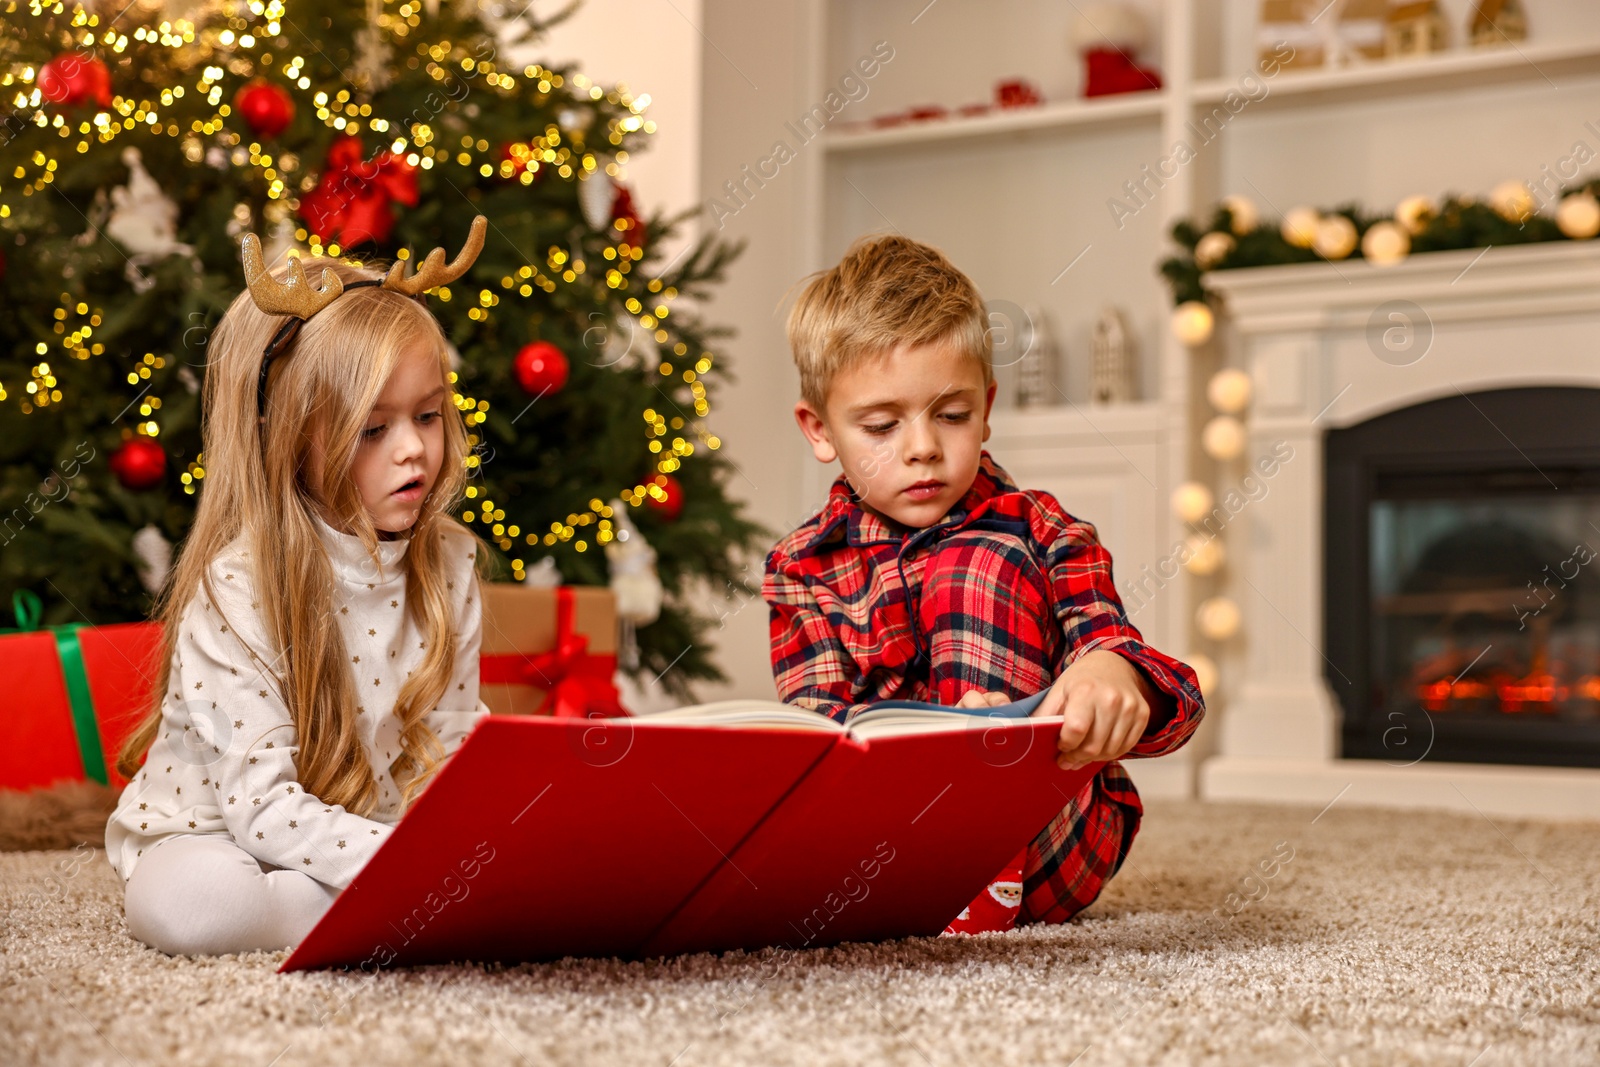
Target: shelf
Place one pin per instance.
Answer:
(1124, 109)
(1387, 79)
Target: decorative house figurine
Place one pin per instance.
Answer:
(1358, 34)
(1497, 22)
(1415, 28)
(1113, 361)
(1289, 22)
(1036, 370)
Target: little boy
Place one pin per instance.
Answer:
(928, 575)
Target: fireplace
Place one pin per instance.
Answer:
(1461, 596)
(1427, 488)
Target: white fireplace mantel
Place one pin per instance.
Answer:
(1332, 345)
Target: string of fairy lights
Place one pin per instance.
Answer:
(550, 151)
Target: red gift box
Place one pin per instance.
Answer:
(549, 651)
(73, 695)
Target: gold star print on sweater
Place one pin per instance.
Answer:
(253, 740)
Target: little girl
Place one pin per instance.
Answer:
(322, 624)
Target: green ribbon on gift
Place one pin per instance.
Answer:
(28, 608)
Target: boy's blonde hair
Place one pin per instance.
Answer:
(887, 291)
(263, 487)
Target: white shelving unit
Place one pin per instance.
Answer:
(1016, 196)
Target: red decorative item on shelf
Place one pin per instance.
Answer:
(626, 219)
(139, 463)
(669, 505)
(71, 79)
(541, 368)
(1108, 72)
(266, 106)
(354, 201)
(1017, 92)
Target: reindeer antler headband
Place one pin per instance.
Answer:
(299, 301)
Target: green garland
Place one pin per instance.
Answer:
(1458, 222)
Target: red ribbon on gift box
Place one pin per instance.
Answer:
(577, 682)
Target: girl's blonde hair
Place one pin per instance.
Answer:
(259, 488)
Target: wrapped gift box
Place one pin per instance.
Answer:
(549, 651)
(73, 695)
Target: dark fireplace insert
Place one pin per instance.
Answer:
(1461, 579)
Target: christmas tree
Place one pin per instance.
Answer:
(138, 144)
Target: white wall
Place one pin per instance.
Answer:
(650, 46)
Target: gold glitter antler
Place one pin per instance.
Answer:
(294, 297)
(433, 271)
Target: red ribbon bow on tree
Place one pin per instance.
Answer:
(354, 201)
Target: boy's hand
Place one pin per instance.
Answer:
(1105, 703)
(977, 698)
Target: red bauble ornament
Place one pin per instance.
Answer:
(72, 78)
(139, 463)
(266, 106)
(671, 503)
(541, 368)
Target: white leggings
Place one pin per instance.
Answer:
(203, 895)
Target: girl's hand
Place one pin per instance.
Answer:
(1105, 704)
(977, 698)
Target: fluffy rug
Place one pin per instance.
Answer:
(1234, 935)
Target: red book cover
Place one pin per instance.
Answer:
(545, 838)
(891, 838)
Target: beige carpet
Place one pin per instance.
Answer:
(1386, 939)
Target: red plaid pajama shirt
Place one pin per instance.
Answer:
(1000, 595)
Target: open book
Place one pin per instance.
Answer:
(742, 824)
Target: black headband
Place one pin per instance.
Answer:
(282, 339)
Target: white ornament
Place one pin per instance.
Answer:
(1111, 367)
(1512, 200)
(143, 220)
(1300, 226)
(1205, 672)
(1413, 213)
(1245, 215)
(153, 553)
(374, 62)
(1206, 554)
(1192, 322)
(1578, 216)
(595, 197)
(634, 582)
(633, 571)
(1223, 438)
(1385, 243)
(1192, 501)
(542, 575)
(624, 344)
(1218, 618)
(1213, 248)
(1336, 237)
(1229, 390)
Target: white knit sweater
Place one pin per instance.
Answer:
(224, 762)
